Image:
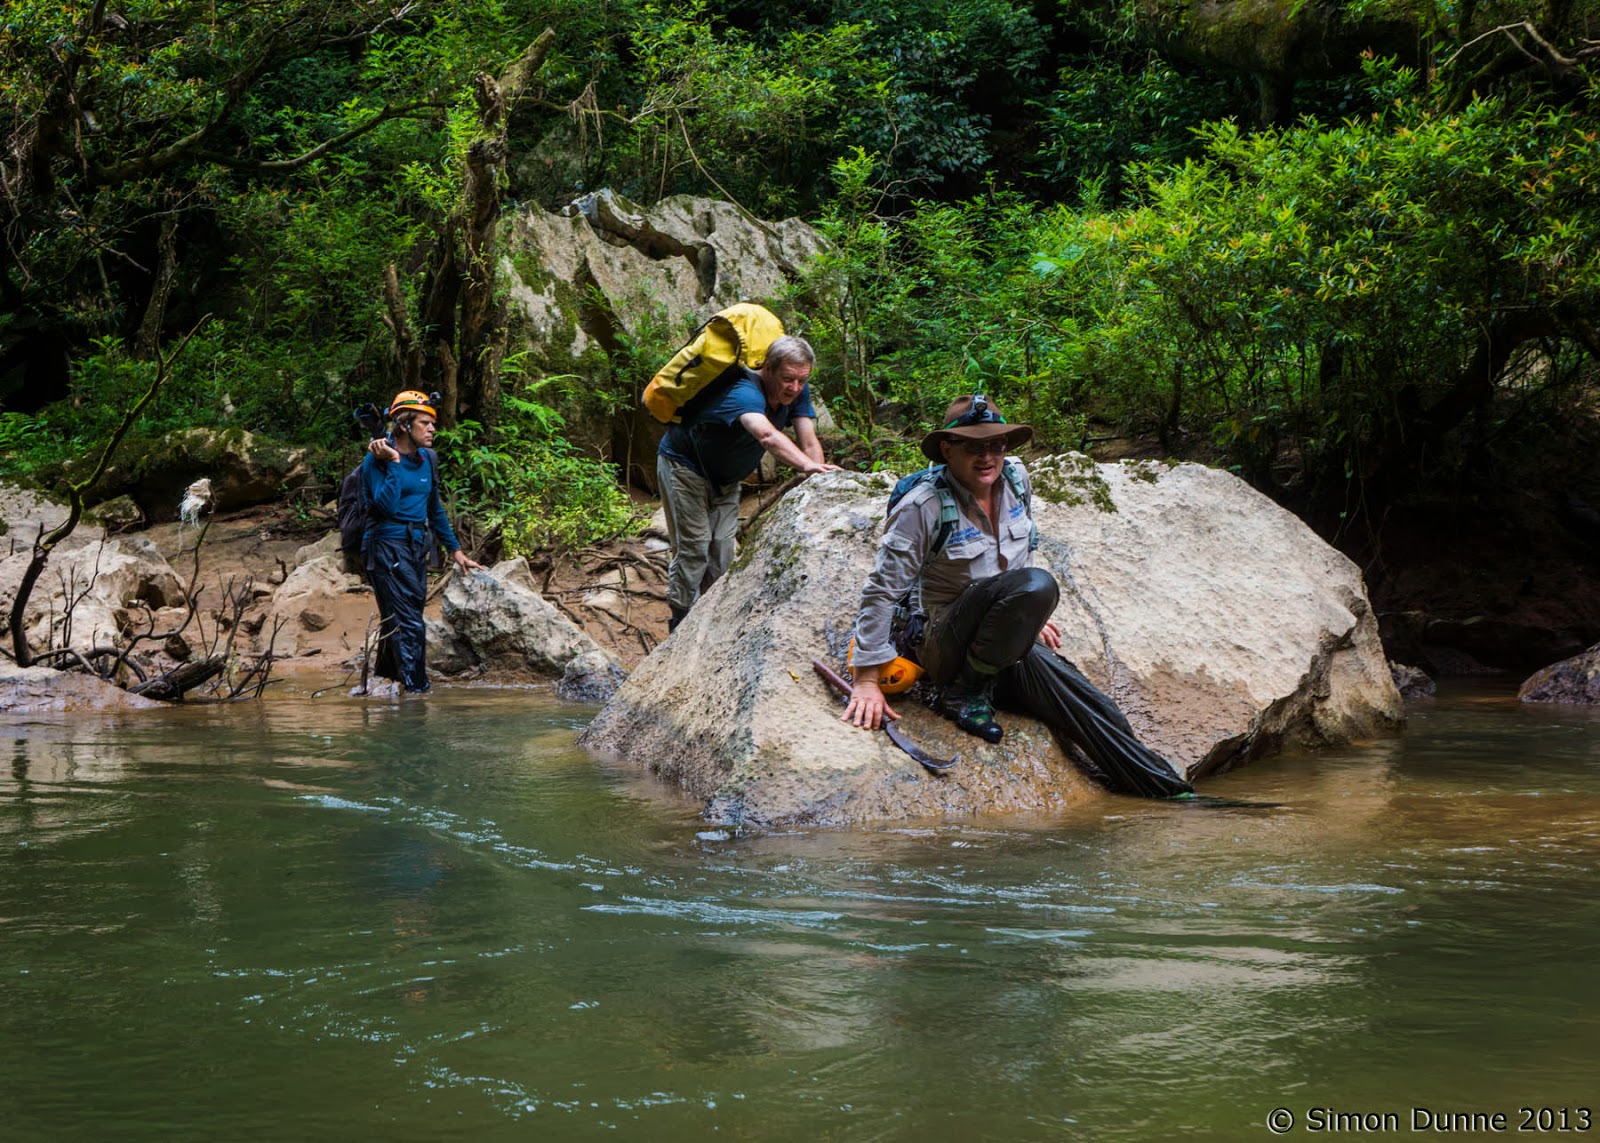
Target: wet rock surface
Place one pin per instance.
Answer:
(1219, 623)
(37, 690)
(1412, 682)
(1574, 680)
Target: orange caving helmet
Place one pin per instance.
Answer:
(413, 400)
(894, 676)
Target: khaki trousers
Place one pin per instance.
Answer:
(702, 525)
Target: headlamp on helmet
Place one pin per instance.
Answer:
(410, 400)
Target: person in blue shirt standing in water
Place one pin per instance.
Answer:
(719, 442)
(400, 476)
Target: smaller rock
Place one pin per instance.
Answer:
(593, 677)
(33, 690)
(1411, 682)
(327, 546)
(517, 571)
(313, 620)
(177, 647)
(1574, 680)
(506, 624)
(117, 515)
(317, 587)
(448, 654)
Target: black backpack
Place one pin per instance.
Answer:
(355, 512)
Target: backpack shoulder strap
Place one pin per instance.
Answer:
(949, 513)
(1020, 489)
(433, 477)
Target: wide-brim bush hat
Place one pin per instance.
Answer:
(974, 418)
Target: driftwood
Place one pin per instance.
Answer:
(176, 683)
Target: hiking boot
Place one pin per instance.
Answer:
(675, 618)
(968, 701)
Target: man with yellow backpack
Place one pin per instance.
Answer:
(727, 396)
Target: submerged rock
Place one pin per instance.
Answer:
(1218, 621)
(1412, 682)
(1574, 680)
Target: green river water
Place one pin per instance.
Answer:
(440, 920)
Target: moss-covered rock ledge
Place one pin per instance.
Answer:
(1221, 624)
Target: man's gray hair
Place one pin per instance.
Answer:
(790, 351)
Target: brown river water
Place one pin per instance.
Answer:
(438, 919)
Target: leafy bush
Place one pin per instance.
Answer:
(531, 487)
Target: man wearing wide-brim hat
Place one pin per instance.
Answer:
(953, 590)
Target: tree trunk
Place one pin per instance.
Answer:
(459, 341)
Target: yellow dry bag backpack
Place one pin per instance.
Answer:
(741, 333)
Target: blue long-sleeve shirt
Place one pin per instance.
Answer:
(400, 496)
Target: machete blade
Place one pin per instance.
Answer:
(929, 762)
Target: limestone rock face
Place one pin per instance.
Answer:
(1574, 680)
(1218, 622)
(33, 690)
(108, 579)
(243, 469)
(505, 624)
(581, 280)
(1289, 38)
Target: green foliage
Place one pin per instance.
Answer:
(533, 488)
(1320, 305)
(104, 385)
(1308, 292)
(919, 309)
(1104, 116)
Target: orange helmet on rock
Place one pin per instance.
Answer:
(895, 676)
(414, 401)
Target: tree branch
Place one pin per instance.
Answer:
(279, 165)
(43, 546)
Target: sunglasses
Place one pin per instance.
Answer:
(996, 447)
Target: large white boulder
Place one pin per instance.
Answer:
(1218, 622)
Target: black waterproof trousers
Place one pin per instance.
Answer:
(997, 621)
(397, 569)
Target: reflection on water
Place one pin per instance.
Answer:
(438, 919)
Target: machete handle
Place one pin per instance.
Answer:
(831, 676)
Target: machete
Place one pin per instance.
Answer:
(896, 735)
